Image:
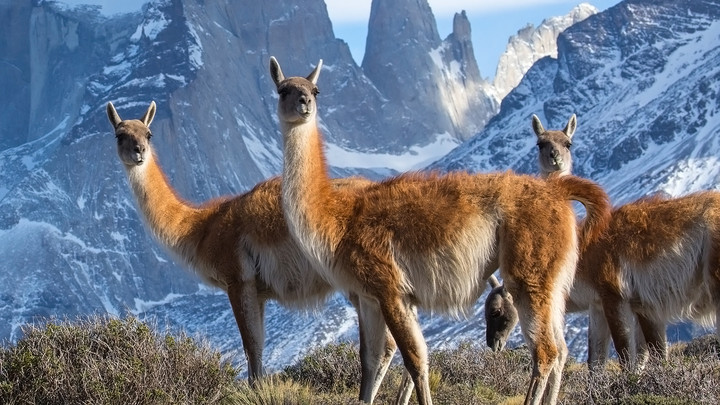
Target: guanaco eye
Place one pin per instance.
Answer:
(283, 92)
(148, 135)
(568, 145)
(315, 91)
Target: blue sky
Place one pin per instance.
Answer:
(492, 22)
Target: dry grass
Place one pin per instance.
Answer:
(110, 361)
(469, 374)
(121, 361)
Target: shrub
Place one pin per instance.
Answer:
(505, 372)
(274, 390)
(108, 360)
(332, 368)
(680, 379)
(119, 361)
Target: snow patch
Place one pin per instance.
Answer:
(151, 28)
(120, 69)
(693, 175)
(143, 306)
(195, 49)
(436, 55)
(267, 157)
(416, 158)
(118, 237)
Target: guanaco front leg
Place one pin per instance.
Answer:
(248, 314)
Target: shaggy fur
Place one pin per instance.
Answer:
(659, 261)
(240, 244)
(433, 241)
(653, 266)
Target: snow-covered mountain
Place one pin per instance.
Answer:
(531, 44)
(641, 76)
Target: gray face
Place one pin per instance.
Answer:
(133, 142)
(133, 136)
(554, 155)
(500, 317)
(554, 152)
(296, 102)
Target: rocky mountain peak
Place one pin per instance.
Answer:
(461, 26)
(399, 31)
(531, 44)
(436, 84)
(461, 48)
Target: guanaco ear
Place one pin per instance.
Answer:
(113, 115)
(493, 281)
(313, 76)
(149, 114)
(571, 127)
(506, 295)
(275, 71)
(537, 125)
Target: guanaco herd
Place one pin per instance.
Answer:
(433, 241)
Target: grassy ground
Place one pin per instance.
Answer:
(125, 361)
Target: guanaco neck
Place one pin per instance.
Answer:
(312, 208)
(555, 173)
(170, 219)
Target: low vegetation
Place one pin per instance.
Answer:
(120, 361)
(110, 361)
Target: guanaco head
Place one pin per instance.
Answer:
(554, 147)
(133, 136)
(296, 104)
(500, 315)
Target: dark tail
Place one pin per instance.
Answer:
(596, 202)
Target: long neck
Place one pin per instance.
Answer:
(170, 219)
(312, 207)
(555, 173)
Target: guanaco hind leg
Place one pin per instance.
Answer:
(405, 328)
(650, 340)
(377, 348)
(620, 320)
